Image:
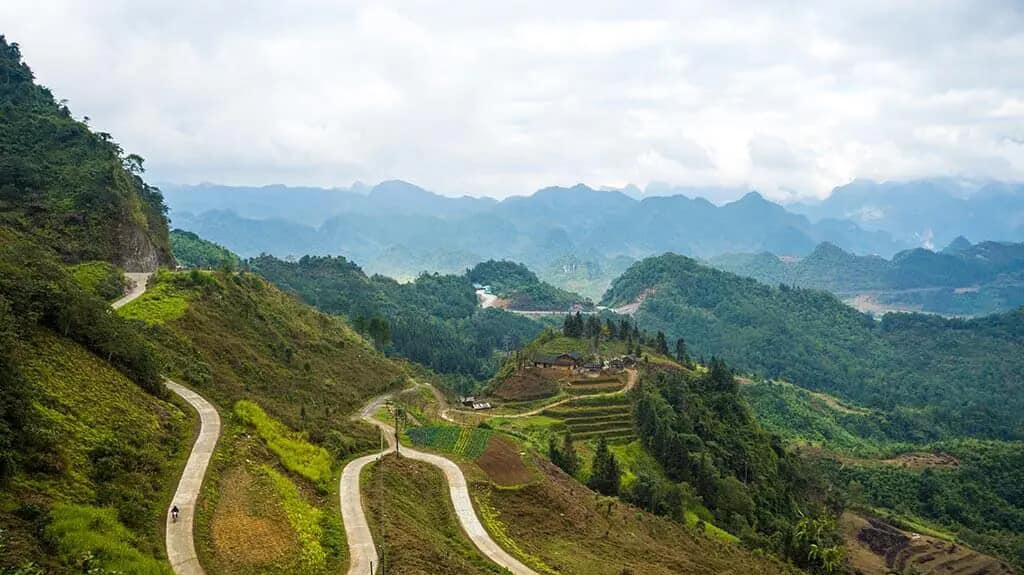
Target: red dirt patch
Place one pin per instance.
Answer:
(502, 464)
(245, 532)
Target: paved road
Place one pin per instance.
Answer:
(138, 287)
(181, 549)
(362, 551)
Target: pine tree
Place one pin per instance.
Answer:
(625, 330)
(570, 459)
(681, 355)
(662, 343)
(610, 328)
(604, 474)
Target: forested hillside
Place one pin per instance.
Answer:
(961, 376)
(192, 251)
(520, 287)
(74, 190)
(434, 320)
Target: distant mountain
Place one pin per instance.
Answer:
(400, 229)
(962, 279)
(929, 212)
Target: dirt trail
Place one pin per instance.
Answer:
(362, 550)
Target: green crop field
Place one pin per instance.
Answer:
(465, 441)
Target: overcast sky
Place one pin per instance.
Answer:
(500, 98)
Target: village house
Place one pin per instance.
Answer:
(567, 360)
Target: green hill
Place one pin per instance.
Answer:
(434, 320)
(192, 251)
(961, 376)
(74, 190)
(521, 288)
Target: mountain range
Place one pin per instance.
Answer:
(962, 279)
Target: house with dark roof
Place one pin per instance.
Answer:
(567, 360)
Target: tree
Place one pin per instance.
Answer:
(661, 344)
(681, 355)
(570, 459)
(625, 330)
(610, 328)
(605, 473)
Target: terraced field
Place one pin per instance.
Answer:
(465, 441)
(610, 417)
(594, 386)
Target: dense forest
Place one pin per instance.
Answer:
(433, 320)
(705, 436)
(74, 190)
(522, 289)
(959, 376)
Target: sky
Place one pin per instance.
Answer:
(488, 98)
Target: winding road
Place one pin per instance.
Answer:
(363, 552)
(181, 548)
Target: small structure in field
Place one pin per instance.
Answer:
(481, 405)
(467, 400)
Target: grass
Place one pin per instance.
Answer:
(109, 444)
(241, 338)
(558, 523)
(163, 302)
(409, 511)
(93, 538)
(467, 442)
(296, 454)
(305, 519)
(100, 278)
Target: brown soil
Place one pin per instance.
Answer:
(875, 547)
(502, 463)
(245, 532)
(527, 385)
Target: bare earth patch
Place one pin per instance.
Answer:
(502, 463)
(526, 385)
(876, 548)
(244, 533)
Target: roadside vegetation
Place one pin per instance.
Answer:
(296, 454)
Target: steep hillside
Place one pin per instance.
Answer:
(434, 320)
(234, 336)
(74, 190)
(88, 442)
(961, 375)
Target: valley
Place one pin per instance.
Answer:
(548, 384)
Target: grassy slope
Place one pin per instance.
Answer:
(89, 409)
(238, 337)
(569, 529)
(420, 530)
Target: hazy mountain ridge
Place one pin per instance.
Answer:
(928, 212)
(430, 232)
(963, 278)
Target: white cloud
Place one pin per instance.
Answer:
(499, 99)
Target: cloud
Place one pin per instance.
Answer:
(499, 99)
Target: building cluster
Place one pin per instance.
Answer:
(574, 361)
(474, 403)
